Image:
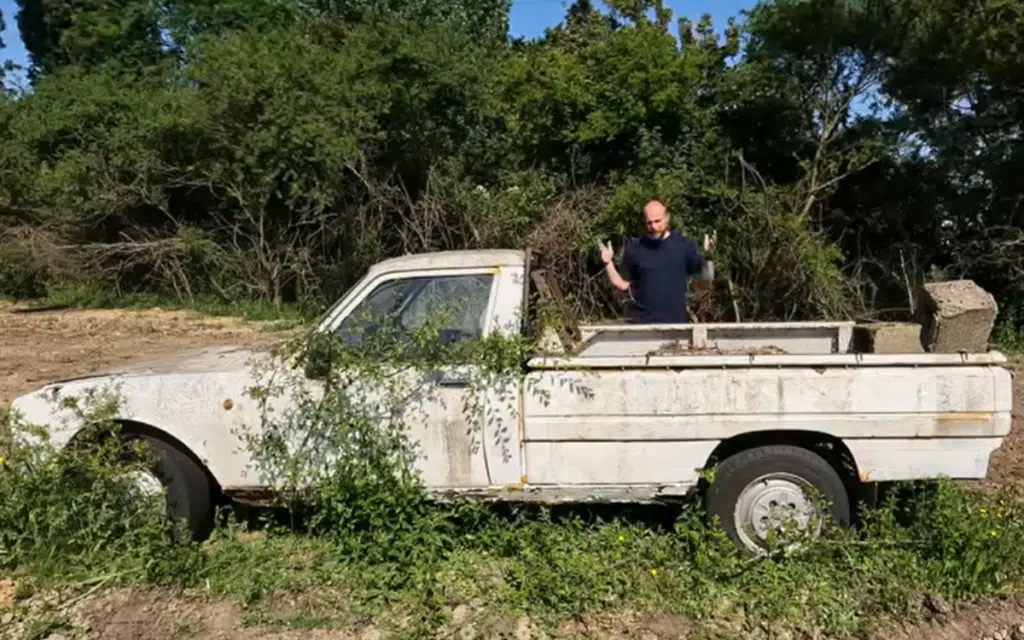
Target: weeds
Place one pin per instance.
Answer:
(938, 543)
(1008, 335)
(74, 512)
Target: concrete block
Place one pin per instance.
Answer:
(887, 337)
(956, 316)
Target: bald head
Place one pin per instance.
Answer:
(656, 219)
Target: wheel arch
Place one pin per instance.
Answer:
(140, 428)
(832, 449)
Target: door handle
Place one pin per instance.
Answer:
(448, 380)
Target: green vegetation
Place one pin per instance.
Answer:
(844, 152)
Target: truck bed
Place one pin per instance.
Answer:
(758, 344)
(623, 409)
(796, 338)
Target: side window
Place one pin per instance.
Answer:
(412, 301)
(463, 300)
(371, 312)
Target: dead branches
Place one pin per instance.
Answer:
(563, 241)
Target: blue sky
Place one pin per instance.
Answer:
(529, 18)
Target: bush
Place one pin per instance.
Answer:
(73, 511)
(20, 277)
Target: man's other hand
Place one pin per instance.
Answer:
(708, 241)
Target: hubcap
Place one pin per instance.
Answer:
(768, 503)
(147, 483)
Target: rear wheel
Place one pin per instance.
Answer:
(760, 490)
(188, 492)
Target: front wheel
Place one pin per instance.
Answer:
(188, 493)
(758, 491)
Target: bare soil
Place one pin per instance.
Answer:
(39, 347)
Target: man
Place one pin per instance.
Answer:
(656, 269)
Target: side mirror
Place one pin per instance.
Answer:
(319, 359)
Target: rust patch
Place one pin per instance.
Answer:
(459, 448)
(252, 496)
(678, 348)
(950, 424)
(965, 416)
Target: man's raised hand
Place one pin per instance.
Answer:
(606, 252)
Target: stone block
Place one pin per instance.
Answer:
(956, 316)
(887, 337)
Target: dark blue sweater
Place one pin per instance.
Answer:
(658, 272)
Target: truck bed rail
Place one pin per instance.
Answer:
(771, 360)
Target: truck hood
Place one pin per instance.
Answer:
(219, 359)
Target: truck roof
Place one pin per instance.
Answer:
(452, 260)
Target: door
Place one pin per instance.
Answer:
(449, 438)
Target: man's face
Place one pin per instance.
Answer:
(656, 220)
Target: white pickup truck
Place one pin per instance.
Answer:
(774, 407)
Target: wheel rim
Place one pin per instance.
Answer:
(147, 483)
(768, 502)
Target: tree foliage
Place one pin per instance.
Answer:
(86, 33)
(843, 150)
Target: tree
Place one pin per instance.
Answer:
(7, 66)
(957, 69)
(58, 33)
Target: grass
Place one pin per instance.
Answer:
(944, 543)
(498, 565)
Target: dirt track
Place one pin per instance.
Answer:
(39, 347)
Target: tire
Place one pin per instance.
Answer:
(738, 501)
(189, 495)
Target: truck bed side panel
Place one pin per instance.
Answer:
(657, 426)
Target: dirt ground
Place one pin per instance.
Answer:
(38, 347)
(41, 346)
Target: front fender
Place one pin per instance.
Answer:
(169, 411)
